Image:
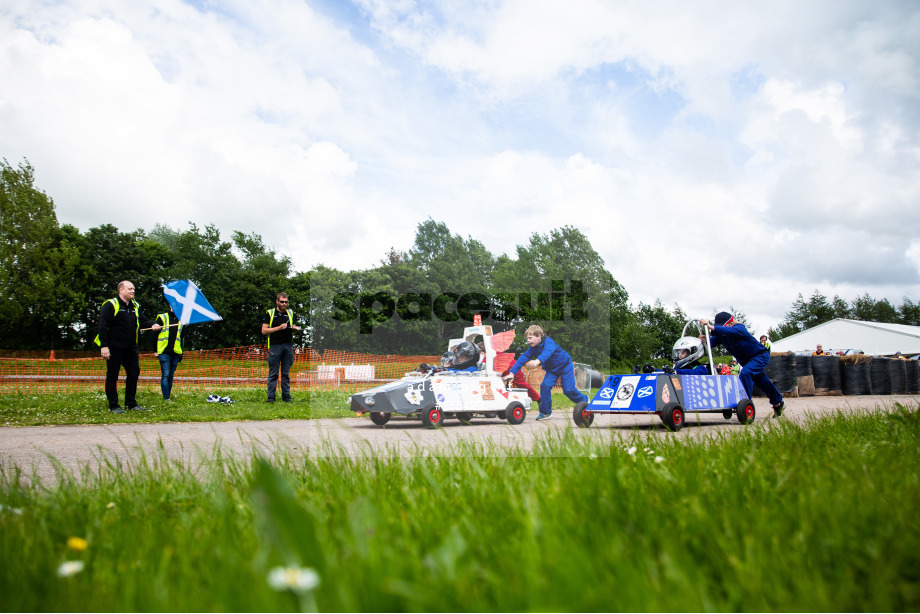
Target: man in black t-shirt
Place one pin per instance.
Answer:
(278, 325)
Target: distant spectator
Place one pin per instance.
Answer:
(899, 356)
(764, 341)
(724, 369)
(735, 368)
(819, 351)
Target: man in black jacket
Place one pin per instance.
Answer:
(120, 321)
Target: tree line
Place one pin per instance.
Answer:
(818, 309)
(54, 279)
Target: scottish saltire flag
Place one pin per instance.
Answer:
(188, 302)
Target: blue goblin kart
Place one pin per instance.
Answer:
(672, 392)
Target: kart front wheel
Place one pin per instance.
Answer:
(582, 417)
(673, 416)
(727, 414)
(380, 417)
(490, 414)
(746, 411)
(432, 417)
(515, 413)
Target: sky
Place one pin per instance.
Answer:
(715, 154)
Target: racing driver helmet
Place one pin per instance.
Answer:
(466, 355)
(687, 351)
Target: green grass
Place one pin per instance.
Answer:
(814, 517)
(249, 404)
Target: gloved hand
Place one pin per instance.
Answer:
(424, 367)
(637, 369)
(669, 370)
(647, 368)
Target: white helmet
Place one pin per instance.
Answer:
(686, 351)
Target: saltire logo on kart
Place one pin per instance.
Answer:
(188, 302)
(607, 393)
(644, 392)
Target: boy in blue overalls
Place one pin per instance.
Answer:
(752, 356)
(556, 362)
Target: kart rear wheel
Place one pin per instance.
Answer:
(380, 417)
(727, 414)
(515, 413)
(432, 417)
(746, 411)
(673, 416)
(490, 414)
(582, 417)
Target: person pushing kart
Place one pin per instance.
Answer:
(750, 354)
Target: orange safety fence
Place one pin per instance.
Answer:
(240, 367)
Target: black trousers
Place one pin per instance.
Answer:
(127, 358)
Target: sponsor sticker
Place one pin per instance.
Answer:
(645, 392)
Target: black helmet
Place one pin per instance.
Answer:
(466, 355)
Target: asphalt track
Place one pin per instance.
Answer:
(45, 453)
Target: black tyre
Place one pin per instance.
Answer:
(727, 414)
(673, 416)
(380, 417)
(465, 417)
(432, 417)
(582, 417)
(490, 414)
(746, 413)
(515, 413)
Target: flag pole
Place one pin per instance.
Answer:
(170, 326)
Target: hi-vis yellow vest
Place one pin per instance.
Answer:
(271, 319)
(116, 304)
(163, 339)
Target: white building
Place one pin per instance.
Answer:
(873, 338)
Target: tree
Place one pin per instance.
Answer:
(109, 256)
(39, 301)
(559, 282)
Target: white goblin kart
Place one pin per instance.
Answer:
(671, 395)
(434, 393)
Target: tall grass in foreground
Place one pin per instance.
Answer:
(820, 517)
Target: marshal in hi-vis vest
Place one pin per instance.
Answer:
(163, 338)
(271, 320)
(116, 304)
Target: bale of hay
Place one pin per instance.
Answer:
(781, 371)
(880, 374)
(854, 376)
(803, 366)
(806, 385)
(898, 376)
(827, 375)
(913, 376)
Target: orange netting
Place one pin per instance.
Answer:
(241, 367)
